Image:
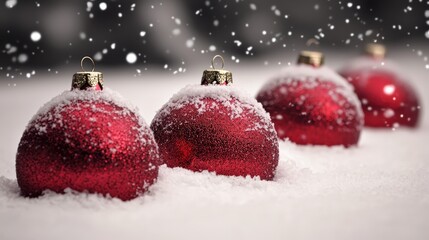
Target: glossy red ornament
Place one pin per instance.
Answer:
(311, 104)
(387, 99)
(217, 128)
(88, 141)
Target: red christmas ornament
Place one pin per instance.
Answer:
(88, 140)
(311, 104)
(215, 127)
(387, 100)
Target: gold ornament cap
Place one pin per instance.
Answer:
(214, 76)
(375, 50)
(87, 80)
(315, 59)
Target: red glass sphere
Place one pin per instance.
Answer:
(313, 105)
(387, 99)
(216, 128)
(88, 141)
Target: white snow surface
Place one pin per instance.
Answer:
(377, 190)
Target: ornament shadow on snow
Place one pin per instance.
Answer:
(88, 139)
(387, 98)
(310, 104)
(214, 126)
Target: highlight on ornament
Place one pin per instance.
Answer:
(310, 104)
(88, 139)
(388, 100)
(216, 127)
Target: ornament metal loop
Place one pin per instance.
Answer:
(84, 80)
(221, 58)
(312, 58)
(83, 59)
(216, 76)
(312, 41)
(375, 50)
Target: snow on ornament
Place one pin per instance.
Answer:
(89, 140)
(387, 98)
(215, 127)
(310, 104)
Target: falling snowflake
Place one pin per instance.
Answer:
(131, 58)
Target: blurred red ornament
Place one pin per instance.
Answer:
(387, 100)
(88, 140)
(217, 128)
(311, 104)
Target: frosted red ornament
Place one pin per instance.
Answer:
(311, 104)
(387, 99)
(89, 140)
(217, 128)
